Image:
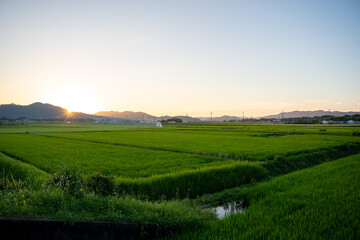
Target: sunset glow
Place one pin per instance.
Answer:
(181, 57)
(74, 99)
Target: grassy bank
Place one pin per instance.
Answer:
(52, 203)
(322, 202)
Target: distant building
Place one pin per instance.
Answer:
(350, 122)
(158, 124)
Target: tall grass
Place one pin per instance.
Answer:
(21, 171)
(54, 203)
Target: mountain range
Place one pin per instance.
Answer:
(318, 113)
(141, 116)
(40, 111)
(47, 111)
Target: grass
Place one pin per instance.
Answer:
(49, 154)
(14, 127)
(151, 164)
(322, 202)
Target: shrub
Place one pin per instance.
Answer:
(100, 184)
(355, 133)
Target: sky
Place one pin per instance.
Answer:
(182, 57)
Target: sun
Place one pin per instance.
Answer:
(74, 100)
(69, 112)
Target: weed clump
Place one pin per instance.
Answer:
(73, 182)
(68, 180)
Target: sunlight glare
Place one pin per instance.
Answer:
(74, 100)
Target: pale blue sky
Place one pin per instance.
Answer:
(178, 57)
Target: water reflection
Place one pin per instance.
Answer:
(222, 211)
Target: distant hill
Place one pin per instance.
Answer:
(221, 119)
(40, 111)
(138, 116)
(318, 113)
(33, 111)
(141, 116)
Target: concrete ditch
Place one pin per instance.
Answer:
(44, 229)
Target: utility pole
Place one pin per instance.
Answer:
(329, 112)
(282, 114)
(187, 118)
(143, 117)
(211, 116)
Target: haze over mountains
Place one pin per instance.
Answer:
(47, 111)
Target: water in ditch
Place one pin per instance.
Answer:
(225, 209)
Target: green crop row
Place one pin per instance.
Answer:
(322, 202)
(191, 183)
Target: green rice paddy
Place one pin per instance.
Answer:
(187, 161)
